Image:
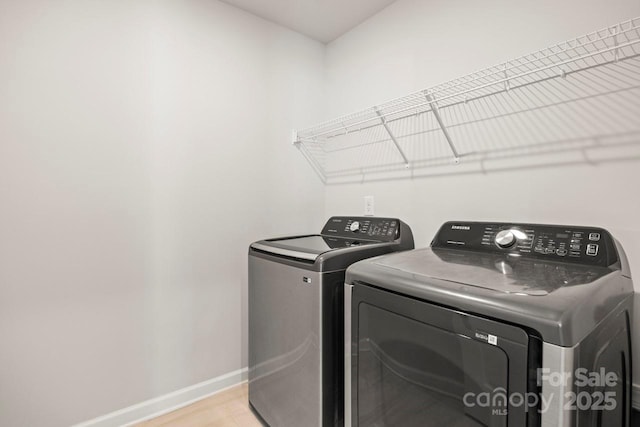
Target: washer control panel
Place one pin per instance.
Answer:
(585, 245)
(366, 228)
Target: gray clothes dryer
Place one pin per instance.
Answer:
(495, 324)
(296, 311)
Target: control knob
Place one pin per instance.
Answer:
(355, 226)
(505, 238)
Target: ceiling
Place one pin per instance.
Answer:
(322, 20)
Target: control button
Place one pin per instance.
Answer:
(594, 237)
(355, 226)
(561, 252)
(592, 249)
(575, 247)
(505, 238)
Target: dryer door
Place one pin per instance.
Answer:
(413, 363)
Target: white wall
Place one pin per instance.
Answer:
(413, 45)
(142, 147)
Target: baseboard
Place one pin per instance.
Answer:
(168, 402)
(183, 397)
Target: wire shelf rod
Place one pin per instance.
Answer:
(485, 85)
(527, 84)
(561, 46)
(497, 82)
(468, 100)
(602, 35)
(497, 70)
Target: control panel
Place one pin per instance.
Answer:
(364, 228)
(585, 245)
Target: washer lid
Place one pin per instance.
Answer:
(504, 273)
(306, 247)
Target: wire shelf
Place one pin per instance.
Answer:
(559, 98)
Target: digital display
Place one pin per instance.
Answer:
(562, 236)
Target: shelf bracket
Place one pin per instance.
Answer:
(392, 136)
(312, 161)
(436, 114)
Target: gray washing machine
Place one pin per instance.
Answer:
(296, 311)
(495, 324)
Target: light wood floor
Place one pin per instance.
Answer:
(228, 408)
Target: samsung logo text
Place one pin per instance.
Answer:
(460, 227)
